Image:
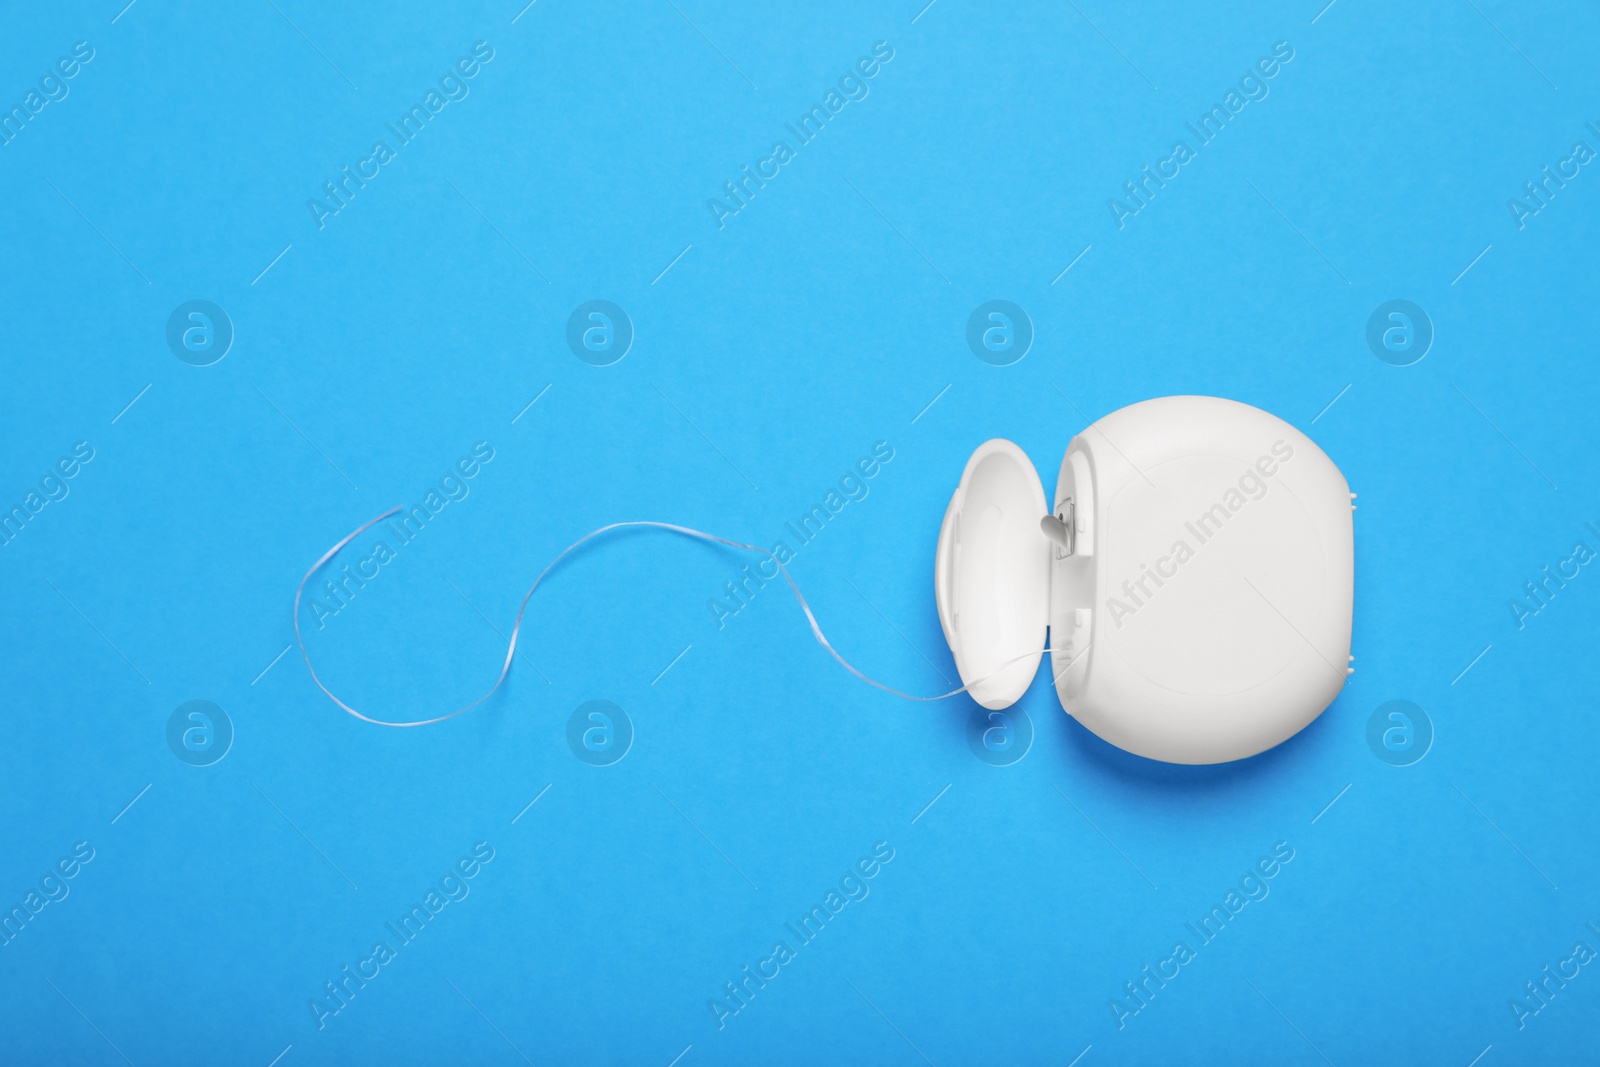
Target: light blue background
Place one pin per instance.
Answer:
(823, 318)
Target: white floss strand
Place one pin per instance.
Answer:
(511, 648)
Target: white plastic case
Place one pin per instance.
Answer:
(1197, 588)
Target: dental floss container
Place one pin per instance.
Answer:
(1196, 576)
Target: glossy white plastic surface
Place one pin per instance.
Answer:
(1204, 612)
(992, 574)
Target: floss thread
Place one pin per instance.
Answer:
(511, 648)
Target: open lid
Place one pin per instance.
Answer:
(992, 574)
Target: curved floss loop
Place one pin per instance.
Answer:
(511, 648)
